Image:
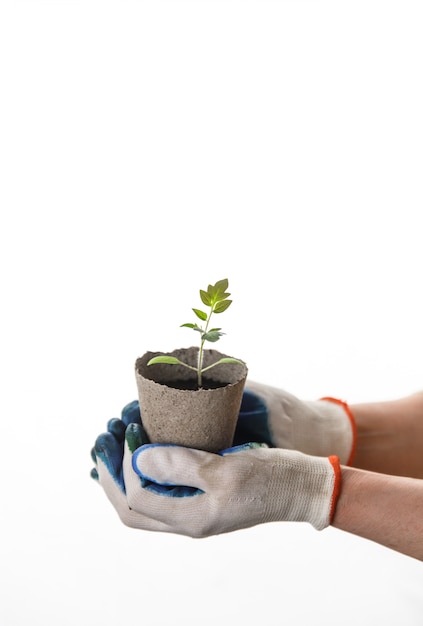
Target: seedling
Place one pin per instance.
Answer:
(216, 298)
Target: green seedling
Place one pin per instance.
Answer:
(216, 298)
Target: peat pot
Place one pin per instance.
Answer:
(174, 410)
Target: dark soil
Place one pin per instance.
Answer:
(192, 384)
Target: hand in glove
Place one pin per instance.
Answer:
(174, 489)
(196, 493)
(122, 438)
(191, 492)
(321, 428)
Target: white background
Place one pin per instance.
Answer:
(147, 149)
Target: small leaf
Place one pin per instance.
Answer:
(230, 360)
(222, 306)
(221, 286)
(211, 292)
(221, 361)
(212, 335)
(171, 360)
(213, 329)
(193, 326)
(218, 291)
(205, 298)
(200, 314)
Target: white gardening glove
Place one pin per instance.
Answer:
(173, 489)
(197, 493)
(321, 428)
(112, 456)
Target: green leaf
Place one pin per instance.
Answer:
(211, 295)
(221, 286)
(213, 329)
(221, 361)
(230, 360)
(193, 326)
(171, 360)
(221, 306)
(212, 335)
(200, 314)
(217, 291)
(205, 298)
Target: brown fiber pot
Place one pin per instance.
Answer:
(202, 418)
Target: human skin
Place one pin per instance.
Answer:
(382, 497)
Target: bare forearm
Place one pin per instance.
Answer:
(381, 508)
(390, 436)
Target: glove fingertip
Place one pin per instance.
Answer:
(161, 487)
(103, 442)
(116, 427)
(136, 460)
(131, 413)
(135, 436)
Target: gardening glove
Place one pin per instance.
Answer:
(240, 487)
(174, 489)
(321, 428)
(112, 455)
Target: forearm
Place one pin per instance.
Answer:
(385, 509)
(390, 436)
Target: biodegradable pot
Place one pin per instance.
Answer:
(174, 411)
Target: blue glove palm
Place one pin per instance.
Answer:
(192, 492)
(253, 421)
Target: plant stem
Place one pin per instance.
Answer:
(200, 353)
